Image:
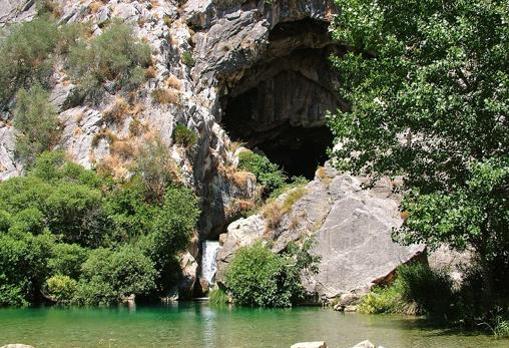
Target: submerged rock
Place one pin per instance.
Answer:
(364, 344)
(317, 344)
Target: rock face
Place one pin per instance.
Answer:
(351, 228)
(12, 11)
(260, 76)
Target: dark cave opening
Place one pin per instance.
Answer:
(278, 106)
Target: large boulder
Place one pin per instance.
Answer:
(351, 228)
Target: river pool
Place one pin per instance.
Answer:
(201, 325)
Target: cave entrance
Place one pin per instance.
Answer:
(278, 106)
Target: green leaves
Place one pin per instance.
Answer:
(259, 277)
(268, 174)
(36, 123)
(429, 93)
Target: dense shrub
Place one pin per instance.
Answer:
(188, 59)
(26, 56)
(23, 267)
(108, 276)
(218, 297)
(58, 203)
(36, 123)
(268, 174)
(184, 136)
(430, 290)
(66, 259)
(156, 169)
(416, 290)
(257, 276)
(61, 289)
(115, 55)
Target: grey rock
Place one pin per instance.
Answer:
(317, 344)
(17, 345)
(8, 165)
(12, 11)
(352, 232)
(364, 344)
(125, 11)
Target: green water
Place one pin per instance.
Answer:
(199, 325)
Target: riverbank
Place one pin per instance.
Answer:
(200, 325)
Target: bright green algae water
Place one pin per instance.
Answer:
(200, 325)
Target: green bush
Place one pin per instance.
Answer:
(61, 289)
(115, 55)
(218, 297)
(184, 136)
(59, 202)
(36, 123)
(23, 267)
(188, 59)
(108, 276)
(76, 213)
(431, 291)
(384, 300)
(62, 203)
(66, 259)
(156, 169)
(26, 56)
(257, 276)
(416, 290)
(268, 174)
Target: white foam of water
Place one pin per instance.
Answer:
(208, 259)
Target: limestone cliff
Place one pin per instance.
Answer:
(249, 71)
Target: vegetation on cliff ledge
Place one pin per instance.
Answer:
(71, 236)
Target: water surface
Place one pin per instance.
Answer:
(200, 325)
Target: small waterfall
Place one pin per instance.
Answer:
(208, 259)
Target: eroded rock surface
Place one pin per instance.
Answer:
(351, 228)
(270, 55)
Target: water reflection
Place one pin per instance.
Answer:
(200, 325)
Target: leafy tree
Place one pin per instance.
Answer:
(60, 197)
(268, 174)
(115, 55)
(76, 213)
(257, 276)
(26, 56)
(107, 276)
(36, 123)
(66, 259)
(428, 84)
(23, 267)
(127, 206)
(173, 225)
(156, 169)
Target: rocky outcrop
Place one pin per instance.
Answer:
(351, 228)
(8, 166)
(270, 55)
(12, 11)
(322, 344)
